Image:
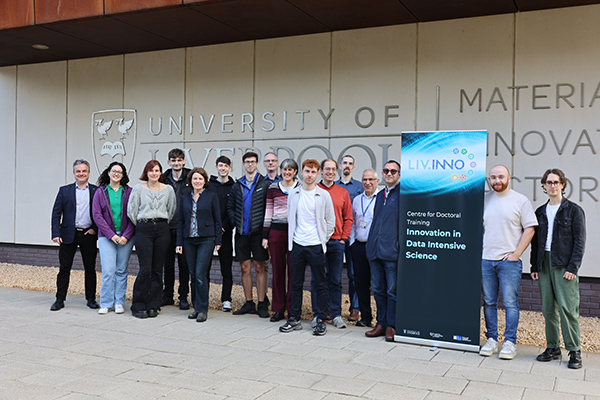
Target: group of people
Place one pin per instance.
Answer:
(556, 231)
(185, 215)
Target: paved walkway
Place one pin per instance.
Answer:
(77, 354)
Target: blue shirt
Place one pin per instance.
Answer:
(248, 190)
(353, 187)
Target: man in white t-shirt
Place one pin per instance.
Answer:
(309, 207)
(508, 226)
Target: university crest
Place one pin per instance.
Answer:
(114, 136)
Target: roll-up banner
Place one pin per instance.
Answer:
(441, 233)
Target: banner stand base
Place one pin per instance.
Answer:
(437, 343)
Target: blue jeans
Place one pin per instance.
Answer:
(335, 266)
(506, 276)
(384, 276)
(115, 259)
(198, 254)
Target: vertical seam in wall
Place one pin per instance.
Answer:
(330, 83)
(185, 120)
(67, 115)
(16, 120)
(253, 91)
(416, 78)
(514, 63)
(123, 86)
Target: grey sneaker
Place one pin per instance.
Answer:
(338, 322)
(490, 347)
(313, 323)
(509, 350)
(320, 328)
(291, 325)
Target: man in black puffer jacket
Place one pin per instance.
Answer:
(246, 211)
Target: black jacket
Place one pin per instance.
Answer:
(181, 186)
(222, 190)
(208, 216)
(568, 237)
(235, 207)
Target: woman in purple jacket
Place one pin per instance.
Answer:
(115, 235)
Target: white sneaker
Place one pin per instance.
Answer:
(313, 323)
(119, 309)
(226, 306)
(509, 350)
(338, 322)
(490, 347)
(103, 310)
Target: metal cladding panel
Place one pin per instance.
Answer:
(15, 13)
(60, 10)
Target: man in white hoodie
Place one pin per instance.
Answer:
(309, 206)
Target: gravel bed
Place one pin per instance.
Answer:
(531, 324)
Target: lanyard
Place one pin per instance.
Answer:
(362, 205)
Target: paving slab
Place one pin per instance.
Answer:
(75, 353)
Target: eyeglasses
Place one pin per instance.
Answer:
(390, 171)
(553, 183)
(369, 179)
(116, 172)
(270, 161)
(249, 162)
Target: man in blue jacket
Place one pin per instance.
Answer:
(382, 252)
(72, 227)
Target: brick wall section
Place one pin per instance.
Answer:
(529, 295)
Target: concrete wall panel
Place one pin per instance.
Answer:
(8, 95)
(40, 149)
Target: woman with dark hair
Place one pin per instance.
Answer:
(151, 206)
(115, 235)
(275, 238)
(556, 252)
(198, 236)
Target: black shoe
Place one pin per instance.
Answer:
(168, 301)
(140, 314)
(575, 359)
(58, 304)
(291, 325)
(549, 354)
(91, 303)
(193, 315)
(248, 308)
(364, 324)
(267, 300)
(152, 313)
(201, 317)
(320, 329)
(263, 309)
(278, 316)
(184, 305)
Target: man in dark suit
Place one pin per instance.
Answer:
(73, 226)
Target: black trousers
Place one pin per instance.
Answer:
(66, 253)
(152, 241)
(299, 258)
(362, 280)
(184, 272)
(226, 261)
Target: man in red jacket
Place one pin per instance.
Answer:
(336, 245)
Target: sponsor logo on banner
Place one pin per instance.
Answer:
(114, 137)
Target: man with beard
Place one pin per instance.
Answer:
(508, 226)
(354, 188)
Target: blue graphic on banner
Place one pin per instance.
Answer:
(442, 162)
